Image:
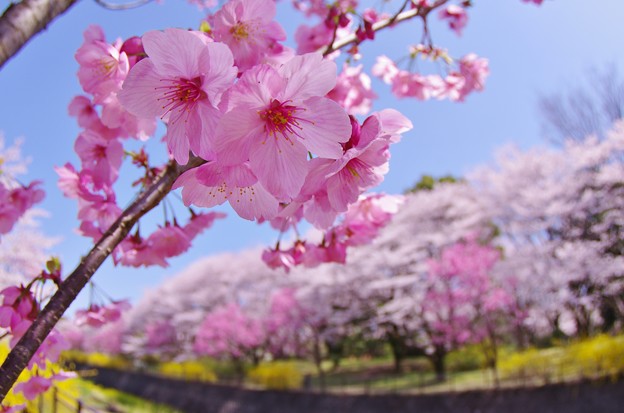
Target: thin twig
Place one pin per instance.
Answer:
(122, 6)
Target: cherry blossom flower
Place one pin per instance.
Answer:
(457, 17)
(474, 70)
(353, 90)
(335, 184)
(312, 38)
(133, 48)
(181, 82)
(276, 258)
(212, 184)
(98, 315)
(201, 222)
(33, 387)
(169, 241)
(134, 251)
(277, 117)
(247, 27)
(15, 202)
(101, 156)
(102, 67)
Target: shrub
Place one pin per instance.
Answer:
(187, 370)
(96, 359)
(278, 375)
(599, 356)
(466, 358)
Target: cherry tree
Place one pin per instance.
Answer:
(249, 122)
(559, 214)
(229, 332)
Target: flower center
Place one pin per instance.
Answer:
(281, 118)
(108, 65)
(99, 152)
(180, 95)
(239, 31)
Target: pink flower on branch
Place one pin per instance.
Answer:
(103, 67)
(212, 184)
(103, 157)
(247, 27)
(456, 16)
(353, 90)
(181, 82)
(277, 117)
(332, 185)
(33, 387)
(15, 202)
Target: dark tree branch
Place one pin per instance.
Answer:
(20, 355)
(22, 21)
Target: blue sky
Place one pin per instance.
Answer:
(532, 50)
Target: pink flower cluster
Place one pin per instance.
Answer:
(360, 225)
(19, 307)
(37, 385)
(456, 16)
(98, 315)
(15, 202)
(455, 86)
(353, 90)
(231, 330)
(103, 69)
(272, 127)
(228, 331)
(165, 242)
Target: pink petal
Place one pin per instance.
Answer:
(280, 166)
(330, 127)
(308, 75)
(177, 142)
(138, 94)
(174, 52)
(254, 202)
(237, 131)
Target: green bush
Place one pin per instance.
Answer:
(278, 375)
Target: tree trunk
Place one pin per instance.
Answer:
(438, 359)
(318, 360)
(399, 349)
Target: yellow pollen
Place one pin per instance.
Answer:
(239, 31)
(353, 171)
